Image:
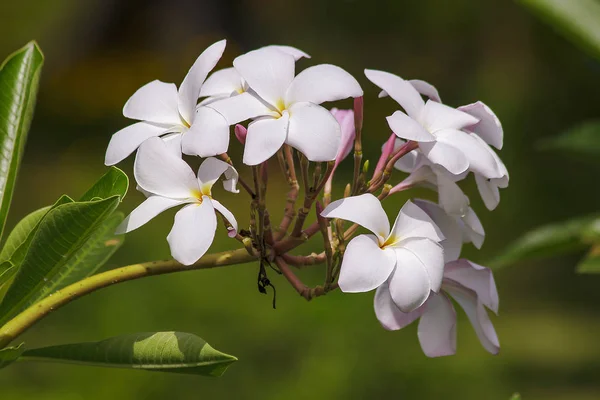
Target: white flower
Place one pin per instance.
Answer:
(287, 107)
(163, 109)
(471, 286)
(408, 256)
(228, 82)
(424, 173)
(456, 229)
(168, 181)
(488, 131)
(435, 126)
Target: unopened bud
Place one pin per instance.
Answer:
(358, 113)
(347, 190)
(366, 167)
(240, 133)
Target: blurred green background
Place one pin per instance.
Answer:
(98, 52)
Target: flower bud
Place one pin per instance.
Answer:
(240, 133)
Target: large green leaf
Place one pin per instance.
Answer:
(153, 351)
(62, 232)
(114, 182)
(10, 354)
(20, 237)
(578, 20)
(19, 76)
(582, 139)
(551, 240)
(96, 251)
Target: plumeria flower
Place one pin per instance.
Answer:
(423, 172)
(163, 109)
(455, 229)
(228, 82)
(470, 285)
(435, 127)
(168, 181)
(286, 108)
(408, 257)
(489, 131)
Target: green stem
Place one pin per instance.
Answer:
(19, 324)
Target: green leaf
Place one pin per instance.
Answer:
(96, 251)
(19, 76)
(591, 262)
(62, 232)
(582, 139)
(114, 182)
(18, 241)
(577, 20)
(152, 351)
(550, 240)
(10, 354)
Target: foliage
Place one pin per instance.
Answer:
(176, 352)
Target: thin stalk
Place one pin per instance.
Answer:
(19, 324)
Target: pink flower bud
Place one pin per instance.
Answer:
(240, 133)
(358, 112)
(387, 150)
(346, 120)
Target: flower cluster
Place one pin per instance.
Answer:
(414, 266)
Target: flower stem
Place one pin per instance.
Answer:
(19, 324)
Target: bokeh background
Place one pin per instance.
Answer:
(98, 52)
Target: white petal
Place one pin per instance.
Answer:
(479, 155)
(314, 131)
(154, 102)
(292, 51)
(431, 255)
(159, 171)
(489, 191)
(264, 138)
(143, 213)
(410, 284)
(489, 126)
(241, 107)
(365, 266)
(364, 210)
(128, 139)
(437, 327)
(409, 162)
(426, 89)
(477, 278)
(445, 155)
(208, 136)
(478, 316)
(223, 82)
(189, 91)
(211, 170)
(407, 128)
(193, 231)
(474, 232)
(322, 83)
(451, 197)
(399, 90)
(173, 142)
(268, 71)
(228, 216)
(449, 226)
(437, 116)
(388, 314)
(412, 221)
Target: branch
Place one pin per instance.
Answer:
(39, 310)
